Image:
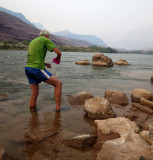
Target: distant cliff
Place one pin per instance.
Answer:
(18, 15)
(13, 28)
(89, 38)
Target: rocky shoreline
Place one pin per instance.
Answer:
(115, 135)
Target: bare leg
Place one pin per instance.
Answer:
(34, 95)
(57, 92)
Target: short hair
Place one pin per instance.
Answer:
(44, 33)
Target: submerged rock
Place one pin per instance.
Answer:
(3, 97)
(98, 108)
(129, 145)
(83, 62)
(121, 62)
(76, 140)
(116, 97)
(79, 98)
(102, 60)
(37, 136)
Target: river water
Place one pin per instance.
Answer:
(16, 121)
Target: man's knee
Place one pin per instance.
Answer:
(59, 84)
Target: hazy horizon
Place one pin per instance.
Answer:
(126, 24)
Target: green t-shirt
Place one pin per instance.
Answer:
(37, 51)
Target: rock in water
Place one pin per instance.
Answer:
(79, 98)
(98, 108)
(116, 97)
(121, 62)
(137, 94)
(83, 62)
(102, 60)
(129, 146)
(76, 140)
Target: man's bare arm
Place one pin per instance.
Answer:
(58, 52)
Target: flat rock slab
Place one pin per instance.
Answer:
(76, 140)
(121, 62)
(83, 62)
(143, 108)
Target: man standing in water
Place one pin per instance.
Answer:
(35, 68)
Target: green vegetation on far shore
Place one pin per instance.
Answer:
(9, 44)
(89, 49)
(15, 45)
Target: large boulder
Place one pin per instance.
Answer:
(78, 98)
(98, 108)
(83, 62)
(116, 97)
(102, 60)
(137, 94)
(76, 140)
(121, 62)
(129, 145)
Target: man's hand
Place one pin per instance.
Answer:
(48, 65)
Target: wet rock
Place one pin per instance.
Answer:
(146, 136)
(83, 62)
(146, 103)
(146, 126)
(121, 62)
(3, 97)
(102, 60)
(116, 97)
(137, 94)
(129, 145)
(98, 108)
(79, 98)
(76, 140)
(130, 116)
(143, 108)
(37, 136)
(4, 155)
(38, 156)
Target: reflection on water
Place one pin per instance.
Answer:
(36, 135)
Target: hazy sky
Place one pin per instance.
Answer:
(120, 23)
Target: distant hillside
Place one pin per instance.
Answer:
(89, 38)
(13, 28)
(18, 15)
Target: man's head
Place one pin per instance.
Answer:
(44, 33)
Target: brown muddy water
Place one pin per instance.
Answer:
(16, 120)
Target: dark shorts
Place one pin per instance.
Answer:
(36, 76)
